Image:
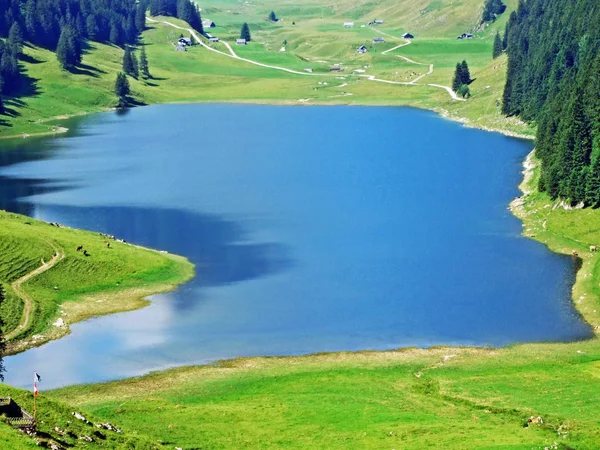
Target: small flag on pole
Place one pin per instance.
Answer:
(36, 380)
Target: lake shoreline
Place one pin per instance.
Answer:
(89, 301)
(527, 205)
(440, 111)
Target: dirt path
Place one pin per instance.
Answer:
(449, 90)
(232, 54)
(27, 300)
(229, 48)
(396, 47)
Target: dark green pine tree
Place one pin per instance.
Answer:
(68, 50)
(136, 66)
(140, 15)
(92, 28)
(15, 38)
(592, 188)
(465, 75)
(273, 17)
(129, 62)
(2, 344)
(497, 46)
(505, 36)
(144, 63)
(122, 89)
(457, 79)
(115, 35)
(131, 30)
(245, 32)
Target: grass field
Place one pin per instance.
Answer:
(110, 279)
(56, 425)
(410, 399)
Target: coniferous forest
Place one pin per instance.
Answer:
(553, 80)
(64, 25)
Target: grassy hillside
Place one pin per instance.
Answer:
(58, 426)
(411, 399)
(315, 40)
(110, 279)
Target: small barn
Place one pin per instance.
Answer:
(185, 41)
(335, 69)
(362, 49)
(408, 36)
(207, 23)
(240, 41)
(378, 21)
(213, 39)
(378, 40)
(348, 24)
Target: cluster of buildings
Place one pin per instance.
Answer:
(183, 42)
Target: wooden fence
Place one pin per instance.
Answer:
(15, 415)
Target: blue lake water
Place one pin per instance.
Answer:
(312, 229)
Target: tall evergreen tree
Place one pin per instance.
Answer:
(273, 17)
(128, 64)
(140, 15)
(245, 32)
(15, 38)
(465, 74)
(122, 89)
(144, 63)
(68, 50)
(497, 46)
(457, 79)
(592, 188)
(505, 36)
(136, 66)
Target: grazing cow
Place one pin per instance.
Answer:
(108, 245)
(535, 420)
(593, 248)
(574, 253)
(85, 253)
(80, 248)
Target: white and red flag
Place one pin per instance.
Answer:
(36, 380)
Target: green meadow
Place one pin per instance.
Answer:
(110, 279)
(410, 399)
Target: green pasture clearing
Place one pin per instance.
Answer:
(111, 279)
(410, 399)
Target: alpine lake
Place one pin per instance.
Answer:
(313, 229)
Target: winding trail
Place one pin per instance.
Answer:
(27, 300)
(396, 47)
(232, 54)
